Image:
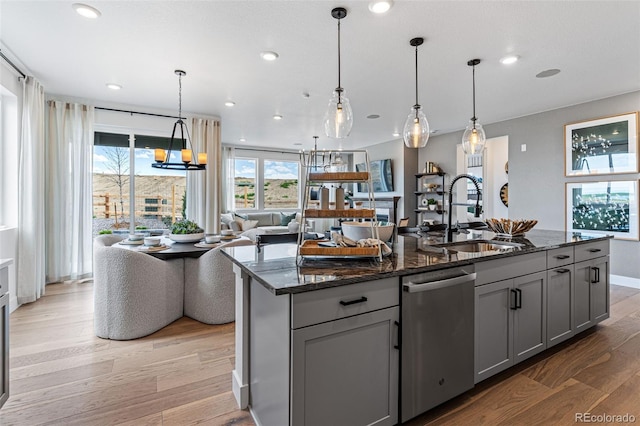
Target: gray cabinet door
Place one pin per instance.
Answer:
(345, 372)
(529, 319)
(4, 349)
(599, 289)
(493, 328)
(582, 301)
(560, 297)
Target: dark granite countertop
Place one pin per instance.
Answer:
(276, 268)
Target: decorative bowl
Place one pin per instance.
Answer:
(508, 227)
(360, 230)
(210, 239)
(186, 238)
(152, 241)
(138, 236)
(226, 232)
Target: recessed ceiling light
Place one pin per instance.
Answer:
(548, 73)
(86, 11)
(509, 59)
(269, 56)
(114, 86)
(380, 6)
(242, 140)
(373, 116)
(229, 103)
(277, 117)
(395, 134)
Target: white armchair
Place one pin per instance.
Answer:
(209, 286)
(134, 294)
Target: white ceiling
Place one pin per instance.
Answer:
(139, 44)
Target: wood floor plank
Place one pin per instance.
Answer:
(181, 374)
(624, 400)
(560, 406)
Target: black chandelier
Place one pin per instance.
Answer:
(163, 157)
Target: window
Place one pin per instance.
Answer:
(245, 183)
(159, 194)
(281, 184)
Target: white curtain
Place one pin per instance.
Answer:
(204, 189)
(69, 196)
(30, 269)
(228, 182)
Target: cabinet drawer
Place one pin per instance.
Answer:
(559, 257)
(591, 250)
(510, 267)
(314, 307)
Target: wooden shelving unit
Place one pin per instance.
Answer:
(322, 173)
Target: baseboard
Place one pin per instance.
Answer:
(624, 281)
(240, 391)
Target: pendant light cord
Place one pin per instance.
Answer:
(339, 81)
(474, 119)
(417, 105)
(180, 96)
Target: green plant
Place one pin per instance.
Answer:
(185, 227)
(105, 231)
(431, 201)
(140, 227)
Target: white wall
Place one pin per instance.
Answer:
(536, 176)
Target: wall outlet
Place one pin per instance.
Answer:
(523, 147)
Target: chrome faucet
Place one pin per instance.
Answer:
(452, 229)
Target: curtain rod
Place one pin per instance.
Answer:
(137, 112)
(236, 147)
(13, 65)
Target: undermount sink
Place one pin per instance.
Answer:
(480, 246)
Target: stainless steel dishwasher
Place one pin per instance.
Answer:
(437, 338)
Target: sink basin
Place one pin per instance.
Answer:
(480, 246)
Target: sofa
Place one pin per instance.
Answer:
(264, 222)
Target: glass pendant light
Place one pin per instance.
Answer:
(338, 119)
(416, 128)
(473, 138)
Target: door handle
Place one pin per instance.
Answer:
(397, 324)
(415, 287)
(596, 278)
(518, 298)
(562, 256)
(353, 302)
(514, 300)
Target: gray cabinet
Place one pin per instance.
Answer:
(560, 304)
(510, 323)
(591, 292)
(345, 372)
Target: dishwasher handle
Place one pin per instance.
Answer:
(415, 287)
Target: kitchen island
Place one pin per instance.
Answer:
(318, 341)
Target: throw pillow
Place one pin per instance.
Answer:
(293, 227)
(226, 218)
(240, 215)
(235, 226)
(285, 218)
(248, 224)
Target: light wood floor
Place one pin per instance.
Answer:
(62, 374)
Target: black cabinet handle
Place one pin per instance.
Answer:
(596, 278)
(514, 300)
(518, 298)
(353, 302)
(562, 271)
(397, 325)
(594, 250)
(562, 256)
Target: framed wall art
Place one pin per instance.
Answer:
(602, 146)
(603, 207)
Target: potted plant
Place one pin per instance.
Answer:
(186, 231)
(432, 203)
